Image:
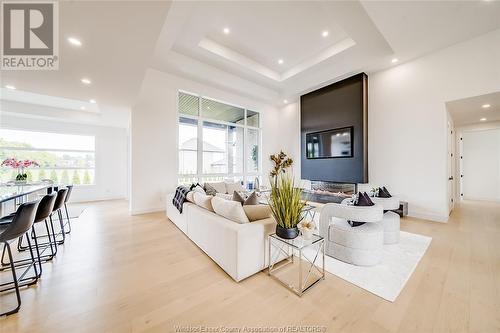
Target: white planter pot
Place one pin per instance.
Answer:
(307, 234)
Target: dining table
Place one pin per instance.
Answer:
(19, 193)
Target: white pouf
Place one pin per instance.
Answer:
(391, 220)
(391, 223)
(361, 246)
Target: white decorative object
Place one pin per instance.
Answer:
(388, 278)
(306, 229)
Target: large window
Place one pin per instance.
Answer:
(217, 141)
(63, 158)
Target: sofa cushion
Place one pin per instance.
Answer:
(231, 187)
(231, 210)
(190, 196)
(219, 187)
(198, 189)
(224, 196)
(257, 212)
(203, 200)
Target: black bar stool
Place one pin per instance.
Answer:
(43, 212)
(68, 195)
(58, 205)
(21, 223)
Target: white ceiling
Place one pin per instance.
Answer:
(193, 44)
(469, 111)
(117, 43)
(121, 39)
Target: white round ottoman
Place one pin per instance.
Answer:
(361, 246)
(391, 220)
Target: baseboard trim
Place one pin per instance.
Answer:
(429, 217)
(146, 211)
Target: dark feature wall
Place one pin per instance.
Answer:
(341, 104)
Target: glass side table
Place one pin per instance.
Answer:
(287, 256)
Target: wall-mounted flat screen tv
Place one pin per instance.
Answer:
(333, 143)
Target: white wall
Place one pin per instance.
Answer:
(407, 119)
(111, 173)
(154, 155)
(481, 164)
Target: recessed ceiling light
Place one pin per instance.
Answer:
(92, 101)
(325, 33)
(226, 31)
(483, 119)
(74, 41)
(11, 87)
(285, 101)
(86, 81)
(82, 107)
(394, 60)
(280, 61)
(485, 106)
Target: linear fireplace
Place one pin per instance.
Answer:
(326, 192)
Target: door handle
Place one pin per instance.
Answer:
(450, 178)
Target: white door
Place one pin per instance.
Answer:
(481, 164)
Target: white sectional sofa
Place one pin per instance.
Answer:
(239, 249)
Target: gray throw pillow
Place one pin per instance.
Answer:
(210, 190)
(252, 199)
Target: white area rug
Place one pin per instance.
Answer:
(389, 277)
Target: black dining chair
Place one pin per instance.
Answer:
(43, 213)
(21, 223)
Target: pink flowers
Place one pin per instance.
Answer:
(15, 164)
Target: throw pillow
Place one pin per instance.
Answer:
(209, 189)
(203, 200)
(198, 189)
(257, 212)
(224, 196)
(231, 187)
(194, 185)
(363, 200)
(238, 198)
(231, 210)
(190, 196)
(383, 193)
(252, 199)
(219, 187)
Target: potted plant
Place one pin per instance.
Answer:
(285, 199)
(22, 175)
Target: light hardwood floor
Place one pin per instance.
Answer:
(121, 273)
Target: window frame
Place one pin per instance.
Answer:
(199, 175)
(47, 149)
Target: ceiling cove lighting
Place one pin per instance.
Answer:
(485, 106)
(92, 101)
(74, 41)
(11, 87)
(86, 81)
(325, 33)
(483, 119)
(394, 60)
(226, 31)
(280, 61)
